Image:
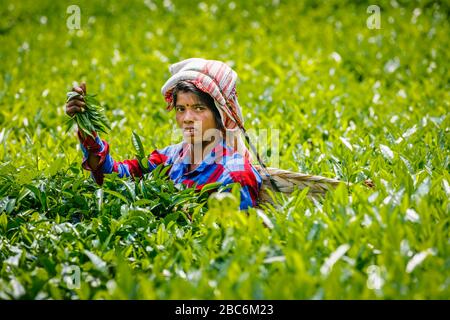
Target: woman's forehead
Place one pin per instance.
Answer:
(187, 99)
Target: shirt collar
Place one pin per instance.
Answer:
(212, 157)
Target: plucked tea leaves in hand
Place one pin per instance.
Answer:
(92, 118)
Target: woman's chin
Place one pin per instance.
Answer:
(190, 138)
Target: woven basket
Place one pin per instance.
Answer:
(288, 181)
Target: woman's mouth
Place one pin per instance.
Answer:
(189, 130)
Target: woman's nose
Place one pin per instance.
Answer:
(189, 116)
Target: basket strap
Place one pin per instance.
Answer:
(247, 138)
(261, 163)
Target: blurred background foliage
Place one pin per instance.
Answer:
(350, 102)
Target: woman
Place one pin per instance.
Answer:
(203, 94)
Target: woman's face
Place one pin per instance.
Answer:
(194, 118)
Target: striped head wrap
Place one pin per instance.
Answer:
(219, 81)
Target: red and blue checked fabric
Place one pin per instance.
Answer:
(222, 165)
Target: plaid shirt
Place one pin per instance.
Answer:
(222, 165)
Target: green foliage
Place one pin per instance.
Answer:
(140, 155)
(350, 102)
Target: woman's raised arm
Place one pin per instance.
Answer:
(77, 105)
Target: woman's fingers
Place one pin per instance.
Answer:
(74, 106)
(79, 98)
(78, 90)
(71, 111)
(76, 103)
(83, 87)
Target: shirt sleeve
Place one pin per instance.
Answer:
(125, 168)
(251, 181)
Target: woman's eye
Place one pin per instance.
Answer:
(179, 109)
(199, 108)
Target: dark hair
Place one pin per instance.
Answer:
(206, 99)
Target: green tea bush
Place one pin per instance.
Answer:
(350, 102)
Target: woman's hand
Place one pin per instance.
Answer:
(92, 145)
(76, 104)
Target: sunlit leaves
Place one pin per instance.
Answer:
(349, 102)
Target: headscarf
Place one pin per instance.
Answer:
(219, 81)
